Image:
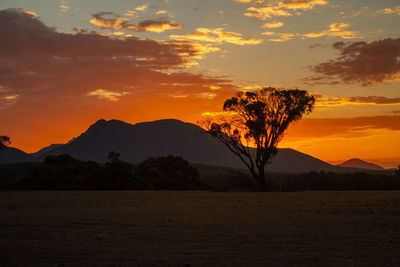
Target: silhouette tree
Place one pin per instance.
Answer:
(259, 119)
(4, 140)
(113, 156)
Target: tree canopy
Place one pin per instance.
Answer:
(4, 140)
(258, 122)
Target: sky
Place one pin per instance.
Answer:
(64, 64)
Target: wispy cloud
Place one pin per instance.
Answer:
(160, 12)
(394, 10)
(64, 6)
(31, 13)
(142, 7)
(274, 24)
(110, 20)
(279, 8)
(356, 100)
(217, 35)
(106, 94)
(342, 30)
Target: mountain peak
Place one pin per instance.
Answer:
(103, 123)
(359, 163)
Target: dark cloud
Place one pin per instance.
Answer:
(379, 100)
(366, 63)
(36, 59)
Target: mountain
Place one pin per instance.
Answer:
(358, 163)
(44, 150)
(173, 137)
(12, 155)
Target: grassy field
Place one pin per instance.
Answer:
(120, 228)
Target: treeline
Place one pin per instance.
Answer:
(66, 173)
(172, 173)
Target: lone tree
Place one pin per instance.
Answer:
(4, 140)
(259, 119)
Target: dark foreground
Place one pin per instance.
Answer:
(199, 228)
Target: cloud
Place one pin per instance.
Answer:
(280, 8)
(366, 63)
(342, 30)
(242, 1)
(31, 13)
(102, 20)
(264, 13)
(283, 37)
(131, 13)
(37, 62)
(274, 24)
(394, 10)
(160, 12)
(142, 7)
(356, 100)
(105, 94)
(343, 127)
(217, 114)
(378, 100)
(152, 26)
(217, 35)
(302, 4)
(64, 6)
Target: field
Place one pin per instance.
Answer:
(121, 228)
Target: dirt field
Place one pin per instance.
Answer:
(199, 228)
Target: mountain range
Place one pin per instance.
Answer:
(160, 138)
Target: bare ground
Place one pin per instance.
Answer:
(133, 228)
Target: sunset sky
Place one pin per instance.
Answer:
(64, 64)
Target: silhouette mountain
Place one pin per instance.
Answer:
(12, 155)
(172, 137)
(44, 150)
(361, 164)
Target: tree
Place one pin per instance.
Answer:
(259, 119)
(4, 140)
(113, 156)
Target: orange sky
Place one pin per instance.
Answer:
(64, 66)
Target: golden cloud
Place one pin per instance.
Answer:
(283, 37)
(105, 94)
(335, 29)
(217, 35)
(31, 13)
(394, 10)
(142, 7)
(280, 8)
(102, 20)
(274, 24)
(159, 12)
(302, 4)
(264, 13)
(356, 100)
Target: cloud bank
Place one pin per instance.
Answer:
(365, 63)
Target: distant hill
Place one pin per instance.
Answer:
(361, 164)
(12, 155)
(44, 150)
(140, 141)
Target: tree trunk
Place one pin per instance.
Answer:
(261, 179)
